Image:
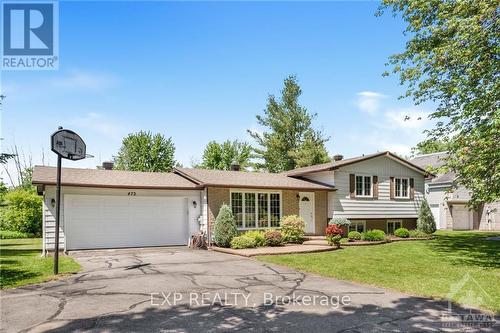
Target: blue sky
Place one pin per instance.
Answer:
(201, 71)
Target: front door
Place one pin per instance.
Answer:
(306, 210)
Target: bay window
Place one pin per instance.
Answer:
(254, 209)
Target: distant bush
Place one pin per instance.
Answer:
(374, 235)
(23, 212)
(225, 227)
(417, 234)
(7, 234)
(354, 235)
(402, 233)
(257, 236)
(243, 242)
(273, 238)
(293, 229)
(340, 221)
(333, 234)
(425, 221)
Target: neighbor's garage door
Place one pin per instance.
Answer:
(124, 221)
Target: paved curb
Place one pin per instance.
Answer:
(247, 254)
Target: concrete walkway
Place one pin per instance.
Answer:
(182, 290)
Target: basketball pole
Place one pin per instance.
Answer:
(58, 212)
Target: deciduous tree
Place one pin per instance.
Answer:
(220, 156)
(144, 151)
(452, 59)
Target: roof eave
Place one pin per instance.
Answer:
(145, 187)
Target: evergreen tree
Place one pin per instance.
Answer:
(425, 221)
(225, 227)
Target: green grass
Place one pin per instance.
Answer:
(21, 263)
(425, 268)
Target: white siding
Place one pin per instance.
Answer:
(49, 211)
(325, 177)
(341, 205)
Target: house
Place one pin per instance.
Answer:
(448, 200)
(111, 208)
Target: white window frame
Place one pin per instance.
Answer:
(394, 227)
(356, 222)
(363, 186)
(401, 189)
(243, 191)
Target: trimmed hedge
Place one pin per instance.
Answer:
(354, 235)
(224, 227)
(293, 229)
(243, 242)
(257, 236)
(374, 235)
(274, 238)
(340, 221)
(402, 233)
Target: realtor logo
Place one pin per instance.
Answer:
(30, 35)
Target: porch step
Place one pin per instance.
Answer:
(316, 242)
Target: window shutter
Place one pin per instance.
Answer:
(375, 187)
(352, 186)
(391, 188)
(412, 188)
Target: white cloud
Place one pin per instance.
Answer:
(99, 123)
(84, 80)
(406, 118)
(369, 101)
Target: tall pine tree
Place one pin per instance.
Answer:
(290, 140)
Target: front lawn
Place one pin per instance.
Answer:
(21, 263)
(425, 268)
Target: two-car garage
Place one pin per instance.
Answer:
(96, 221)
(117, 209)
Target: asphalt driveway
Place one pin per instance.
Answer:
(182, 290)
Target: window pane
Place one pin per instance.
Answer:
(368, 185)
(360, 227)
(263, 210)
(237, 207)
(398, 187)
(397, 225)
(390, 228)
(359, 185)
(249, 210)
(275, 210)
(404, 189)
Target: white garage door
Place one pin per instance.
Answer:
(92, 221)
(461, 218)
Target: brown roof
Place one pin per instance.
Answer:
(337, 164)
(249, 179)
(435, 160)
(111, 178)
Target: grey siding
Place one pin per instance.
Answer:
(49, 211)
(341, 205)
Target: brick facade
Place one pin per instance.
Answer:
(217, 196)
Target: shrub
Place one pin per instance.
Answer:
(273, 238)
(425, 221)
(257, 236)
(23, 212)
(333, 234)
(373, 235)
(402, 233)
(225, 227)
(417, 234)
(7, 234)
(293, 229)
(340, 221)
(354, 235)
(243, 242)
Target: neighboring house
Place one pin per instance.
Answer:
(110, 208)
(448, 200)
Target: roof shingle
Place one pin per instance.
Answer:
(111, 178)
